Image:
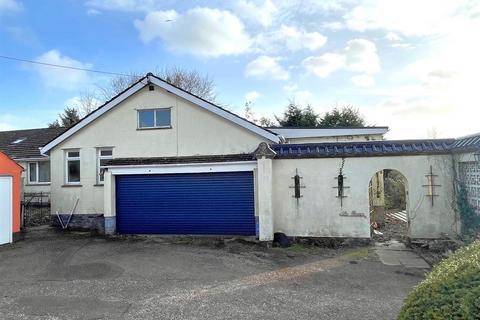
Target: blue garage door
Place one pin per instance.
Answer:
(199, 203)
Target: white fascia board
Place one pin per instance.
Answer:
(93, 116)
(318, 133)
(216, 110)
(184, 168)
(37, 159)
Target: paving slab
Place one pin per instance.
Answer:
(395, 253)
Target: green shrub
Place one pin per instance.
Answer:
(450, 291)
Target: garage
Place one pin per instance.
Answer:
(212, 203)
(10, 175)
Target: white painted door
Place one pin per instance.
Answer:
(5, 210)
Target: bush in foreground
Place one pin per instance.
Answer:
(450, 291)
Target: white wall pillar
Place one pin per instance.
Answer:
(264, 189)
(109, 211)
(264, 155)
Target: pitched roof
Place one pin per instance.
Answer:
(151, 79)
(362, 149)
(468, 143)
(25, 144)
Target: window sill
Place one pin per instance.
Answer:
(157, 128)
(71, 185)
(98, 185)
(37, 184)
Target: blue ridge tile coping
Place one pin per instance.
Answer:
(362, 149)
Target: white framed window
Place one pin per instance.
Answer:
(72, 166)
(39, 172)
(103, 154)
(154, 118)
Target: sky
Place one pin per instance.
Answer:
(411, 65)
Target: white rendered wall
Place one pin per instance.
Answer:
(318, 212)
(194, 131)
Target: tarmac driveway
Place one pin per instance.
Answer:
(52, 275)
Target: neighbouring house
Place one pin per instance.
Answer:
(23, 146)
(10, 189)
(156, 159)
(312, 135)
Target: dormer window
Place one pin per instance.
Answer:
(154, 118)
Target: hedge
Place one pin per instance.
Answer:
(450, 291)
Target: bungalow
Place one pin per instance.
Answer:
(157, 159)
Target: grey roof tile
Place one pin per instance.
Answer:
(24, 144)
(184, 159)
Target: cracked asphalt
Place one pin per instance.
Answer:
(54, 275)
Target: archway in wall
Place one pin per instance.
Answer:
(388, 190)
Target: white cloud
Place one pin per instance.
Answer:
(296, 39)
(325, 64)
(409, 17)
(440, 90)
(267, 68)
(290, 38)
(199, 31)
(262, 14)
(301, 96)
(252, 96)
(60, 77)
(10, 5)
(363, 80)
(359, 55)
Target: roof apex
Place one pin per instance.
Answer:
(137, 86)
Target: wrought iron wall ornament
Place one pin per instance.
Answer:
(431, 186)
(341, 184)
(297, 185)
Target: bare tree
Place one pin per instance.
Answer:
(250, 116)
(87, 103)
(266, 122)
(192, 81)
(432, 133)
(248, 112)
(116, 85)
